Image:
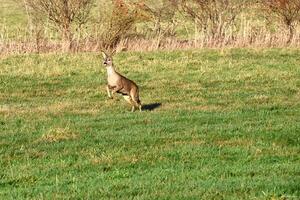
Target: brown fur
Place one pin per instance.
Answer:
(118, 83)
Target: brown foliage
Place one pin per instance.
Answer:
(286, 11)
(120, 19)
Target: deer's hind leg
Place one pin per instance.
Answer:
(130, 101)
(136, 100)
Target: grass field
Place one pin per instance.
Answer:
(217, 124)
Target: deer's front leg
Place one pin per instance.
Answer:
(108, 91)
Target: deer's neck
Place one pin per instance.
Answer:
(110, 70)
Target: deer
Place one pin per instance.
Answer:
(117, 83)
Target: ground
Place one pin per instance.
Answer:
(217, 124)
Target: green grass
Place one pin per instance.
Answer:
(13, 19)
(227, 128)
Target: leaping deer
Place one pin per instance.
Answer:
(120, 84)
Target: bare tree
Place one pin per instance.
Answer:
(285, 11)
(64, 14)
(213, 16)
(118, 21)
(160, 12)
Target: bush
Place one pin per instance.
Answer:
(64, 14)
(286, 12)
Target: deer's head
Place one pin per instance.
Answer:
(107, 58)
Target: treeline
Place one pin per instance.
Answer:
(89, 25)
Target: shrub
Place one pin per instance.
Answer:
(64, 14)
(287, 12)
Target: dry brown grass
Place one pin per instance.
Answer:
(58, 134)
(260, 39)
(235, 143)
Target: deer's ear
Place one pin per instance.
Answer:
(104, 55)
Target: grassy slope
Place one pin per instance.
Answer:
(228, 126)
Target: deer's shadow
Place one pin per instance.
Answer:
(151, 106)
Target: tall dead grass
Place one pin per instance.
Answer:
(247, 36)
(248, 30)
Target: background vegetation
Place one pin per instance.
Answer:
(89, 25)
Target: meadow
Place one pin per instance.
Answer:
(216, 124)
